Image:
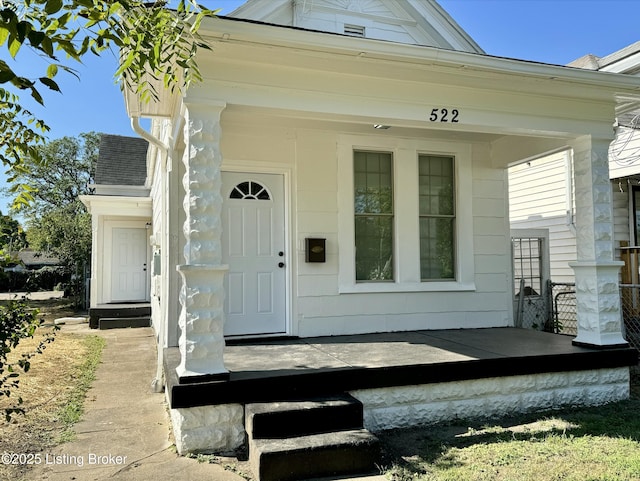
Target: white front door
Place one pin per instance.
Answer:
(129, 265)
(254, 248)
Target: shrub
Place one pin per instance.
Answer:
(43, 279)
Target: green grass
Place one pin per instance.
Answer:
(588, 444)
(72, 410)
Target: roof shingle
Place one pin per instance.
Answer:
(121, 160)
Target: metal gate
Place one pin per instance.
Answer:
(530, 262)
(563, 317)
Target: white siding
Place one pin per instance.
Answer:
(317, 307)
(538, 189)
(620, 215)
(538, 199)
(156, 245)
(624, 153)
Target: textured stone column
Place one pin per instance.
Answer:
(202, 295)
(597, 290)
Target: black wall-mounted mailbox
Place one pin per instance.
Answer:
(315, 250)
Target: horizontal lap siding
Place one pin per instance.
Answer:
(620, 215)
(624, 158)
(317, 306)
(317, 213)
(538, 200)
(322, 310)
(538, 204)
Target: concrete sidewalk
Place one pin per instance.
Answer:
(125, 430)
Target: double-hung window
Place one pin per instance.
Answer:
(373, 209)
(437, 217)
(405, 219)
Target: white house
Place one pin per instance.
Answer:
(342, 169)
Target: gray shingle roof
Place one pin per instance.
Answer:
(121, 160)
(34, 258)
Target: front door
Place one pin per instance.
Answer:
(129, 265)
(253, 247)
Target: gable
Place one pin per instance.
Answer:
(417, 22)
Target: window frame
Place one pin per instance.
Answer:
(406, 242)
(451, 216)
(390, 215)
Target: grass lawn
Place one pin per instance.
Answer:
(600, 443)
(53, 390)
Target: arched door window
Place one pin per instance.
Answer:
(250, 190)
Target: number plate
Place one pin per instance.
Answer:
(444, 115)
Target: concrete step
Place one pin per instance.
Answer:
(313, 456)
(277, 420)
(309, 438)
(113, 311)
(122, 322)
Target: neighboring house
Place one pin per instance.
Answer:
(541, 190)
(342, 169)
(121, 212)
(30, 260)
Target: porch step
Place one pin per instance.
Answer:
(312, 438)
(117, 311)
(296, 418)
(122, 322)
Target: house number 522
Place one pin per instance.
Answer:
(444, 115)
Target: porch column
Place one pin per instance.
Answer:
(202, 295)
(597, 290)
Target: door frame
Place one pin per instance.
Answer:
(290, 254)
(545, 266)
(107, 260)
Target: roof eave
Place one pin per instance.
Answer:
(232, 29)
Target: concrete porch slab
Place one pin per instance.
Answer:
(265, 370)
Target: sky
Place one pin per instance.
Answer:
(548, 31)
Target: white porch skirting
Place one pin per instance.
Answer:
(407, 406)
(220, 428)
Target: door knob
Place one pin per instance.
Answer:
(281, 264)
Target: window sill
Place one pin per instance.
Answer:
(374, 287)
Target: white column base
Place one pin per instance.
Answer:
(598, 304)
(202, 323)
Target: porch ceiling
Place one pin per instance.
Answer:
(507, 148)
(279, 369)
(352, 124)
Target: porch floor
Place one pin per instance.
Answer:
(266, 370)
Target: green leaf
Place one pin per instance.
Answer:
(14, 47)
(47, 46)
(35, 38)
(36, 96)
(49, 83)
(22, 29)
(52, 70)
(6, 75)
(4, 35)
(53, 6)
